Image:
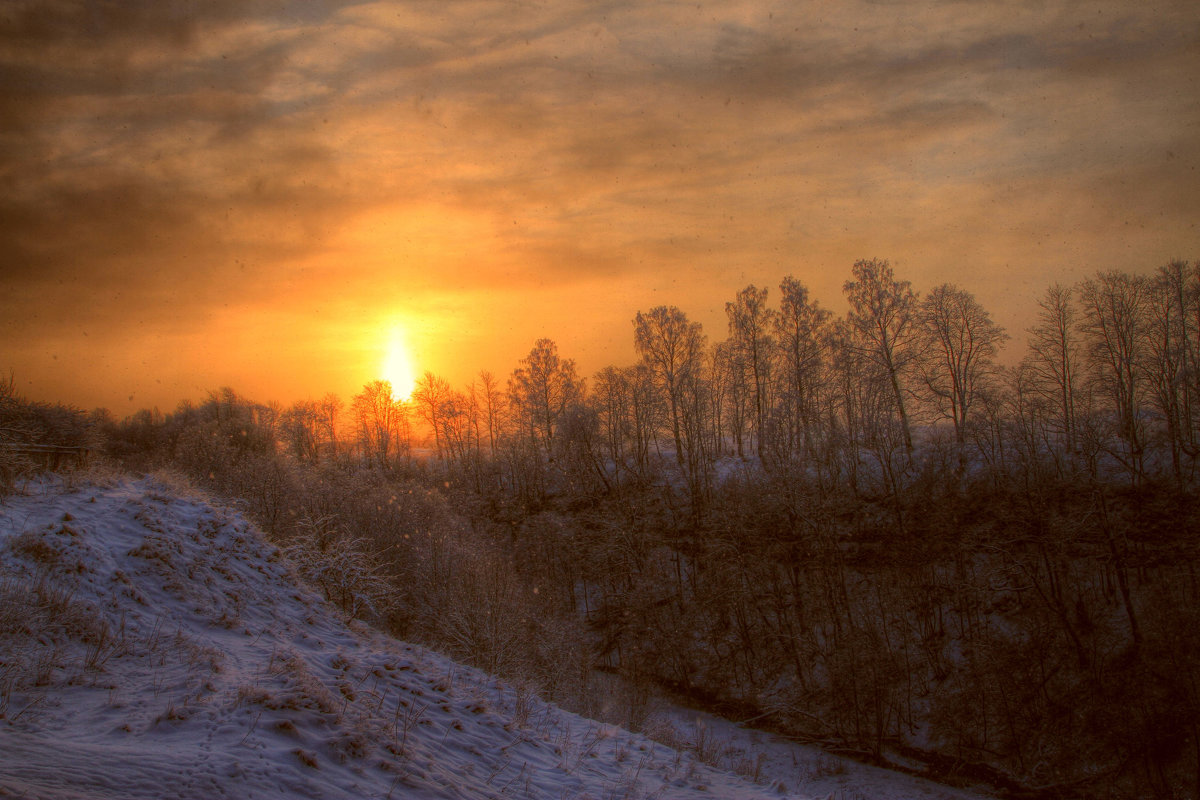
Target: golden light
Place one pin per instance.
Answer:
(397, 367)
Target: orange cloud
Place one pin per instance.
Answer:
(245, 193)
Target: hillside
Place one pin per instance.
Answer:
(153, 645)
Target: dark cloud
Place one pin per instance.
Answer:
(142, 173)
(176, 163)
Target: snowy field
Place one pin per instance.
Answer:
(153, 645)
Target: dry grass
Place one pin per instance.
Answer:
(47, 636)
(97, 473)
(708, 747)
(53, 550)
(172, 484)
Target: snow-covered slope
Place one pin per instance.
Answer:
(153, 645)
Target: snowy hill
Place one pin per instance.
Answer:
(153, 645)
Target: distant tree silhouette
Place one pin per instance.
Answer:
(493, 406)
(300, 428)
(672, 348)
(430, 396)
(381, 420)
(959, 355)
(750, 326)
(1054, 359)
(883, 315)
(1173, 352)
(541, 390)
(802, 336)
(1114, 329)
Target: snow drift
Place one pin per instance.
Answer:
(153, 645)
(156, 646)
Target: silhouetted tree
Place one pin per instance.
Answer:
(882, 314)
(802, 338)
(430, 396)
(1172, 314)
(381, 420)
(330, 409)
(300, 429)
(1054, 360)
(672, 347)
(1114, 327)
(959, 357)
(750, 325)
(612, 398)
(542, 389)
(492, 406)
(730, 389)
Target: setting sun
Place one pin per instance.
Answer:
(397, 367)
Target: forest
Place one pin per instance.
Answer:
(867, 531)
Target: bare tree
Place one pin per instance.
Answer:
(330, 408)
(1054, 359)
(646, 414)
(882, 313)
(866, 409)
(958, 361)
(1173, 317)
(1114, 323)
(728, 373)
(542, 389)
(801, 336)
(750, 323)
(430, 396)
(458, 417)
(723, 382)
(378, 416)
(612, 400)
(299, 426)
(492, 404)
(672, 347)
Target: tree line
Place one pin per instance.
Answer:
(1109, 387)
(862, 530)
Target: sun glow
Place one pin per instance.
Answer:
(397, 367)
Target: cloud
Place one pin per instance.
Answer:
(146, 175)
(174, 163)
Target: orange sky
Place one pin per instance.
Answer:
(258, 194)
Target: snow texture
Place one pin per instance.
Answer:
(154, 645)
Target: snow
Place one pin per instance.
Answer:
(155, 645)
(776, 761)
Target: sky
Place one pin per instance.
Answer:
(286, 197)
